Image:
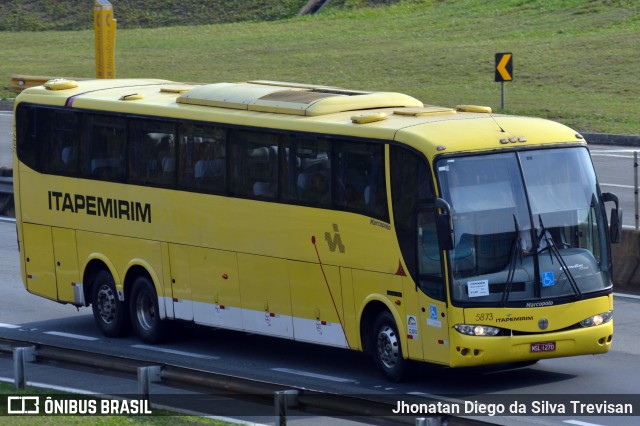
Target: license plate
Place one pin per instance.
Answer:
(543, 347)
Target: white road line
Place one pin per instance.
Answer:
(314, 375)
(2, 325)
(617, 185)
(579, 423)
(70, 335)
(613, 156)
(437, 397)
(628, 296)
(173, 352)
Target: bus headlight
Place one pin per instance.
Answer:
(602, 318)
(477, 330)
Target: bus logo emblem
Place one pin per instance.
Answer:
(543, 323)
(336, 241)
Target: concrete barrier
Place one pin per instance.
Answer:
(611, 139)
(626, 263)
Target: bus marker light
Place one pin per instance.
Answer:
(60, 84)
(474, 108)
(368, 118)
(131, 97)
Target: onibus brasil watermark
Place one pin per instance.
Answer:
(35, 405)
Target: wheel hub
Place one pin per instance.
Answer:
(106, 304)
(388, 347)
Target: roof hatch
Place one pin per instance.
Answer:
(292, 98)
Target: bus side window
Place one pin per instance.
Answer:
(202, 158)
(151, 152)
(30, 124)
(254, 159)
(359, 178)
(106, 141)
(309, 172)
(61, 151)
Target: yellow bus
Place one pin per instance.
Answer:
(361, 220)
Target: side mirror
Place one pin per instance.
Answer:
(615, 219)
(444, 225)
(615, 228)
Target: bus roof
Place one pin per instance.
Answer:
(309, 108)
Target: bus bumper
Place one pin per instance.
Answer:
(467, 351)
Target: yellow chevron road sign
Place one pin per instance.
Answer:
(504, 67)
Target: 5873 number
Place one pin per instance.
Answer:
(484, 317)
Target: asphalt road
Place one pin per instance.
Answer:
(615, 170)
(27, 317)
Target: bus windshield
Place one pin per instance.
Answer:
(529, 227)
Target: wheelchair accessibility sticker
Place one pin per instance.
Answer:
(547, 279)
(433, 320)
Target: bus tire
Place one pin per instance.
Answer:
(111, 314)
(145, 313)
(387, 348)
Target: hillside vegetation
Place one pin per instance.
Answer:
(41, 15)
(575, 61)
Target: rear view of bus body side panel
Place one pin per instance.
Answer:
(66, 266)
(37, 251)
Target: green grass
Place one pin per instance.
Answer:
(45, 15)
(161, 418)
(575, 61)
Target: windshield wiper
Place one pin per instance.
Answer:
(554, 252)
(512, 263)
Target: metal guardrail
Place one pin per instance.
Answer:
(21, 82)
(6, 185)
(305, 400)
(6, 194)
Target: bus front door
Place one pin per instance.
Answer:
(435, 329)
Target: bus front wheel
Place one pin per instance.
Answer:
(387, 348)
(145, 313)
(109, 312)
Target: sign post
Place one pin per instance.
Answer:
(105, 39)
(503, 71)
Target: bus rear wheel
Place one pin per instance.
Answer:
(109, 312)
(145, 313)
(387, 348)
